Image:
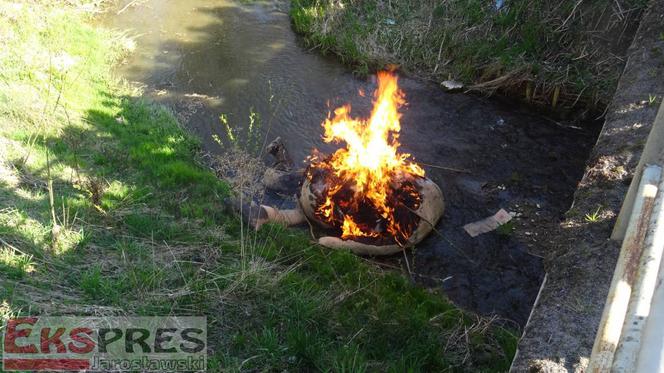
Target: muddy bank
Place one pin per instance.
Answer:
(209, 58)
(564, 57)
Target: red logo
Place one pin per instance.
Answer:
(114, 343)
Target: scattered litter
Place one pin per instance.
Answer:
(500, 122)
(390, 22)
(488, 224)
(451, 85)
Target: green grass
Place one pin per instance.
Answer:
(506, 229)
(561, 55)
(652, 99)
(593, 217)
(105, 207)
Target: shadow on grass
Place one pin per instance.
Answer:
(126, 177)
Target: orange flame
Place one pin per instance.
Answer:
(370, 160)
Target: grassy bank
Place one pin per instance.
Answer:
(562, 55)
(105, 209)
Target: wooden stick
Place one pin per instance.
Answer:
(445, 168)
(126, 7)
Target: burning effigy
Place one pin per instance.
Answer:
(372, 199)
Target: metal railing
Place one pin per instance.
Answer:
(622, 344)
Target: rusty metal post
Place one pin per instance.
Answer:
(624, 276)
(651, 355)
(639, 311)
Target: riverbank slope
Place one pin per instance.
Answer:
(564, 56)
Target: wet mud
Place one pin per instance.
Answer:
(209, 58)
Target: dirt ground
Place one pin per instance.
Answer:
(500, 154)
(579, 256)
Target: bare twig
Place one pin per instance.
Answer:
(129, 4)
(445, 168)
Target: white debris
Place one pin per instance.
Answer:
(451, 85)
(488, 224)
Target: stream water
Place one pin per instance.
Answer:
(205, 58)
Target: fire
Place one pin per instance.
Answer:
(366, 188)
